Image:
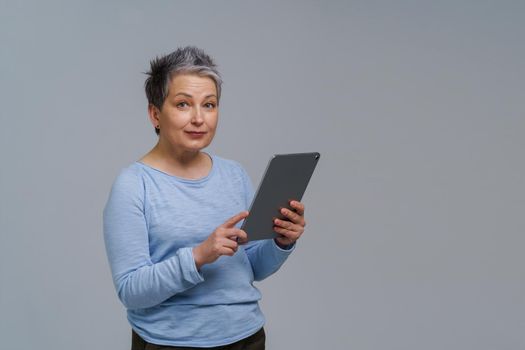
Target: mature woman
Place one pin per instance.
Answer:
(180, 264)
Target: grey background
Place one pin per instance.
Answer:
(415, 214)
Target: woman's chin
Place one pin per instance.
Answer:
(197, 147)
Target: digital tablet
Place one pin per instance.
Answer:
(285, 179)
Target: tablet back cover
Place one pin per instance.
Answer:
(285, 179)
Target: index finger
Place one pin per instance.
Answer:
(235, 219)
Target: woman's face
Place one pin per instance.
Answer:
(189, 115)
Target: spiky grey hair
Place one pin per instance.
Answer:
(184, 60)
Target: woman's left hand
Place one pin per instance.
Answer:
(291, 229)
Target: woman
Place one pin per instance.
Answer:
(171, 223)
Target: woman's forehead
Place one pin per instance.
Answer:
(193, 85)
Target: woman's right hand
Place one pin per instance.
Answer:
(223, 241)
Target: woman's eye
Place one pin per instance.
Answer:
(182, 104)
(210, 105)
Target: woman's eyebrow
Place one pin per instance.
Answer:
(184, 94)
(190, 96)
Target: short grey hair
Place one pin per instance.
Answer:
(184, 60)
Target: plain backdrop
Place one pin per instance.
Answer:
(416, 212)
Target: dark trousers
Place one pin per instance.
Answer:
(253, 342)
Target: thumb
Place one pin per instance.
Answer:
(235, 219)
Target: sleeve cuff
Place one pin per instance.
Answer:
(289, 248)
(189, 269)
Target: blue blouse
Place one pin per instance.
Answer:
(152, 220)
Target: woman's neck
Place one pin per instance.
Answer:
(187, 164)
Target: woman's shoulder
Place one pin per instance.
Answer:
(127, 187)
(129, 176)
(229, 165)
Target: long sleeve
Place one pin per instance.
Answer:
(139, 282)
(265, 256)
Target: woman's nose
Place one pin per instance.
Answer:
(197, 116)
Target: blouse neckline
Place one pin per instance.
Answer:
(182, 179)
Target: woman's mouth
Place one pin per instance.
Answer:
(196, 134)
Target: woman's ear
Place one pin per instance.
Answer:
(154, 115)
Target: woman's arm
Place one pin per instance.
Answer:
(139, 282)
(266, 257)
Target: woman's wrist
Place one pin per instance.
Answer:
(197, 258)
